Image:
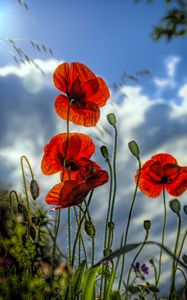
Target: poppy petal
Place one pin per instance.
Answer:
(66, 194)
(50, 162)
(164, 159)
(81, 71)
(179, 185)
(149, 188)
(87, 115)
(61, 77)
(84, 91)
(102, 95)
(79, 145)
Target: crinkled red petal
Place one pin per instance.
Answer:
(79, 145)
(102, 95)
(88, 115)
(66, 194)
(179, 185)
(61, 77)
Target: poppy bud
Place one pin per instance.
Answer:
(133, 147)
(34, 189)
(185, 209)
(89, 228)
(111, 119)
(104, 151)
(175, 206)
(147, 225)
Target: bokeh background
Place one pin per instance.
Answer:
(148, 83)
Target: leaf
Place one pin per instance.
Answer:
(131, 247)
(111, 281)
(88, 285)
(76, 284)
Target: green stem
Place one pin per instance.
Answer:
(136, 256)
(79, 227)
(182, 244)
(128, 222)
(69, 233)
(182, 272)
(59, 211)
(163, 235)
(55, 237)
(81, 238)
(93, 250)
(172, 289)
(113, 184)
(23, 157)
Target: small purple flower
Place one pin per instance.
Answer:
(145, 269)
(137, 267)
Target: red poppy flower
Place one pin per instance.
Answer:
(162, 171)
(82, 90)
(73, 192)
(79, 145)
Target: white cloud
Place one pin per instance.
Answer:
(170, 63)
(32, 78)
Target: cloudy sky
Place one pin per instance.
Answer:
(111, 38)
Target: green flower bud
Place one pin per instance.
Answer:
(111, 119)
(34, 189)
(147, 225)
(89, 228)
(175, 206)
(133, 147)
(104, 152)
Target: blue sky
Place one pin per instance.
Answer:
(110, 37)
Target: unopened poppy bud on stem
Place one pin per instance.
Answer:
(134, 149)
(147, 225)
(111, 119)
(34, 189)
(175, 206)
(104, 152)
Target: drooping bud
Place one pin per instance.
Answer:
(147, 225)
(34, 189)
(175, 206)
(104, 152)
(89, 228)
(111, 119)
(134, 149)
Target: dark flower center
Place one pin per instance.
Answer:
(69, 164)
(164, 179)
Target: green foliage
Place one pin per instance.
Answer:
(88, 286)
(174, 23)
